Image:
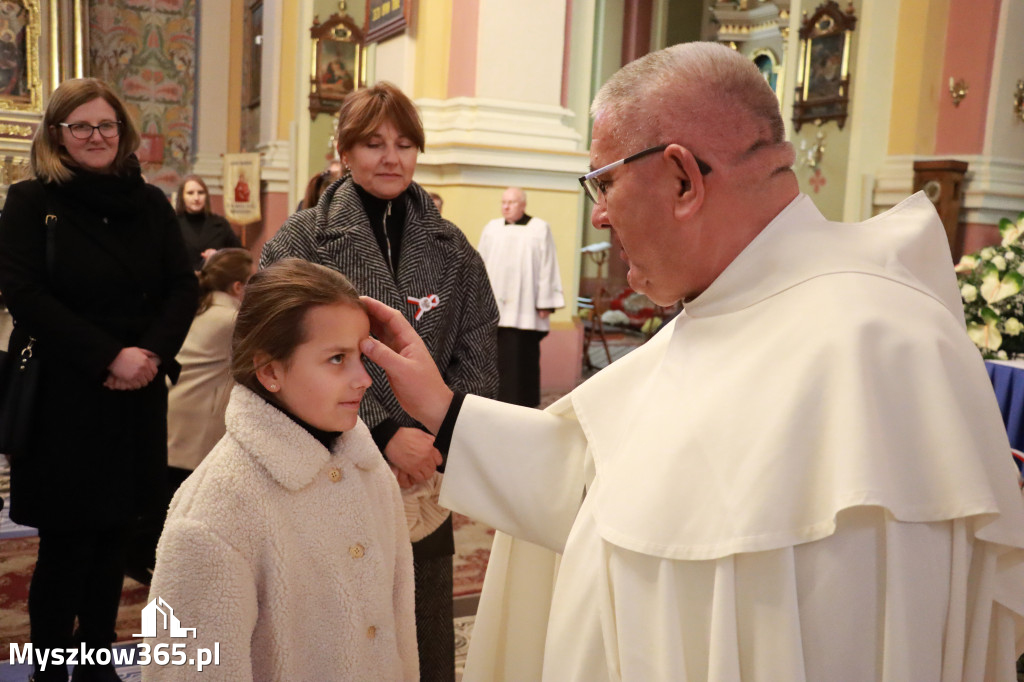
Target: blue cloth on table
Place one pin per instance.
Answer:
(1008, 383)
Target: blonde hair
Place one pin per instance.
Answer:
(222, 269)
(365, 110)
(49, 160)
(272, 317)
(179, 198)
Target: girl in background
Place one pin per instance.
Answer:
(196, 405)
(203, 231)
(288, 545)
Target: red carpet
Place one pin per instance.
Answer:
(17, 560)
(472, 547)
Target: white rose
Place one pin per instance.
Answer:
(1009, 255)
(1020, 268)
(1001, 355)
(1013, 326)
(999, 262)
(969, 292)
(988, 253)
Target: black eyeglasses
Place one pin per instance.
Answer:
(594, 187)
(83, 131)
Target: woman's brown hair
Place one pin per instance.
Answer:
(49, 159)
(179, 199)
(220, 271)
(316, 186)
(273, 314)
(366, 109)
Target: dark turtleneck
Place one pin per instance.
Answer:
(387, 218)
(325, 438)
(195, 220)
(523, 220)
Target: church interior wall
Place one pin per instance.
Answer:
(497, 117)
(148, 54)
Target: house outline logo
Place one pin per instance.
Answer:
(170, 621)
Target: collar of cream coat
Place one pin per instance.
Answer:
(224, 299)
(287, 451)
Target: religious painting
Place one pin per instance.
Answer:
(824, 78)
(19, 55)
(386, 18)
(337, 63)
(768, 65)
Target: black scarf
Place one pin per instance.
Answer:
(107, 194)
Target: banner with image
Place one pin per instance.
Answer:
(242, 188)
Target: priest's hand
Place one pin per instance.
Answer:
(401, 353)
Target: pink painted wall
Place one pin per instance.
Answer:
(275, 209)
(970, 51)
(462, 49)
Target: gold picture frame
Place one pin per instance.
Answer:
(387, 18)
(337, 63)
(823, 81)
(20, 83)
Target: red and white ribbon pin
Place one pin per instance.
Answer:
(425, 304)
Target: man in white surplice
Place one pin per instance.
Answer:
(519, 253)
(803, 477)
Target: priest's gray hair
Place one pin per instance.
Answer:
(693, 86)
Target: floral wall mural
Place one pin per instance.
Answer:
(146, 49)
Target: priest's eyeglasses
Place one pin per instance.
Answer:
(83, 131)
(595, 187)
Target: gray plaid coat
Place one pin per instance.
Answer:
(436, 260)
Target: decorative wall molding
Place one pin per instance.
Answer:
(210, 167)
(477, 141)
(993, 187)
(276, 166)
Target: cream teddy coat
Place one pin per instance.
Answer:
(295, 560)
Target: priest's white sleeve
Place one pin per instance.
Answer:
(516, 469)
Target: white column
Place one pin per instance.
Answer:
(212, 77)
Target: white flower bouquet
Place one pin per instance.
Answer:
(992, 288)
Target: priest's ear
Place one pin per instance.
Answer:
(689, 181)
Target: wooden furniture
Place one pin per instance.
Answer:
(943, 182)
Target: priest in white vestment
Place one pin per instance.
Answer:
(803, 477)
(522, 266)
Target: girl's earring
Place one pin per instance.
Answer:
(273, 387)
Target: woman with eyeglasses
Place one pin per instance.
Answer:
(93, 268)
(203, 230)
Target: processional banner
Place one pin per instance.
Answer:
(242, 188)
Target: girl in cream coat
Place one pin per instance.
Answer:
(196, 404)
(287, 549)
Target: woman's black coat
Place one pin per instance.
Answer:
(120, 277)
(206, 231)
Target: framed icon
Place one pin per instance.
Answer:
(386, 18)
(337, 63)
(20, 86)
(823, 81)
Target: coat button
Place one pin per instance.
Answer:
(371, 632)
(357, 551)
(334, 473)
